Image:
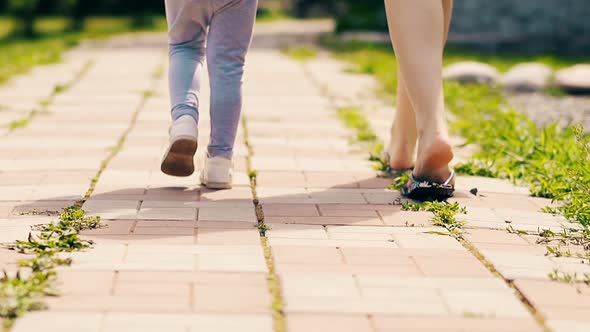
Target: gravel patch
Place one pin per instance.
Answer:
(544, 109)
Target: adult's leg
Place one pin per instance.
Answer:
(229, 38)
(187, 26)
(417, 32)
(403, 135)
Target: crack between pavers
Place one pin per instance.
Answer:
(466, 244)
(105, 163)
(537, 316)
(273, 281)
(43, 105)
(115, 149)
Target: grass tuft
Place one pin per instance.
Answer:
(444, 214)
(20, 294)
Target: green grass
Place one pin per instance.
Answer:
(444, 214)
(354, 119)
(268, 15)
(18, 55)
(553, 162)
(301, 53)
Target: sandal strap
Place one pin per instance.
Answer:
(451, 177)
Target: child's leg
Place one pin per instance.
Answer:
(229, 38)
(187, 26)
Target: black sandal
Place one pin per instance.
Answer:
(424, 190)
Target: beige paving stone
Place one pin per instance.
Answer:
(508, 201)
(331, 243)
(455, 324)
(166, 223)
(168, 213)
(339, 211)
(406, 218)
(320, 323)
(337, 306)
(325, 220)
(209, 322)
(452, 267)
(110, 303)
(549, 295)
(219, 278)
(296, 231)
(75, 283)
(237, 194)
(290, 210)
(568, 326)
(170, 230)
(55, 321)
(319, 286)
(112, 227)
(224, 236)
(155, 289)
(493, 236)
(488, 284)
(231, 263)
(227, 214)
(426, 241)
(282, 179)
(222, 298)
(486, 303)
(312, 255)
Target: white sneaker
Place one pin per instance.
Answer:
(217, 173)
(179, 158)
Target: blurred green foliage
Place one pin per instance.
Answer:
(26, 12)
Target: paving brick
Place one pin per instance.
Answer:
(227, 214)
(223, 236)
(322, 322)
(289, 210)
(325, 220)
(222, 298)
(448, 324)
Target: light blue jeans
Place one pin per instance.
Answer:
(221, 32)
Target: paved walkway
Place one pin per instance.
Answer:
(177, 257)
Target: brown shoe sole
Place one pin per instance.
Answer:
(179, 160)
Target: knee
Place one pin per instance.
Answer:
(227, 64)
(194, 46)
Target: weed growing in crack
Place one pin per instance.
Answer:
(263, 228)
(557, 252)
(20, 294)
(513, 230)
(444, 214)
(567, 237)
(16, 124)
(569, 278)
(252, 174)
(399, 180)
(354, 119)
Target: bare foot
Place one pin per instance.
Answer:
(400, 158)
(401, 153)
(434, 155)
